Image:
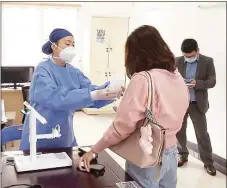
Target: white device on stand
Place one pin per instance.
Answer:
(43, 161)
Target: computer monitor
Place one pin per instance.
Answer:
(15, 75)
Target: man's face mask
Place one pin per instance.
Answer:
(67, 54)
(190, 59)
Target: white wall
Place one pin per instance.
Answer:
(176, 21)
(26, 28)
(212, 41)
(85, 13)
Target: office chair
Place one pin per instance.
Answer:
(25, 90)
(11, 133)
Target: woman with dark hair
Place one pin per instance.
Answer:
(145, 50)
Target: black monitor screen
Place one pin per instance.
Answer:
(16, 74)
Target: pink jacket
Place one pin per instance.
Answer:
(171, 103)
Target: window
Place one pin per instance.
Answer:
(54, 17)
(26, 28)
(20, 35)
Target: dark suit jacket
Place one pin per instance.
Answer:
(205, 79)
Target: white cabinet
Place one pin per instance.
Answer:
(99, 50)
(108, 37)
(118, 36)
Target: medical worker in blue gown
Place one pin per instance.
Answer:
(58, 89)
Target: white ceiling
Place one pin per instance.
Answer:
(160, 5)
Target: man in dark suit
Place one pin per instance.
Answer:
(199, 74)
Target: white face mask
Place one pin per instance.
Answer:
(67, 54)
(190, 59)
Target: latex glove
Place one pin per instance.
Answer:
(116, 86)
(105, 85)
(146, 140)
(103, 94)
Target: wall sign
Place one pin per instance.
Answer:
(100, 35)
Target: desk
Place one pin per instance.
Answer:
(68, 177)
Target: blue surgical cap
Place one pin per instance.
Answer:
(54, 37)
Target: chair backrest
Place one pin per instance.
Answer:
(11, 133)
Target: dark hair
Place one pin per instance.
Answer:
(189, 45)
(145, 49)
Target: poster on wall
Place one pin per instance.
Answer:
(100, 36)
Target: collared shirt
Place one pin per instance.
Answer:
(191, 74)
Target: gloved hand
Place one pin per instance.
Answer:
(104, 94)
(118, 91)
(105, 85)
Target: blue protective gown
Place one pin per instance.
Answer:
(56, 92)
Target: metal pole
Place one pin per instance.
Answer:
(32, 135)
